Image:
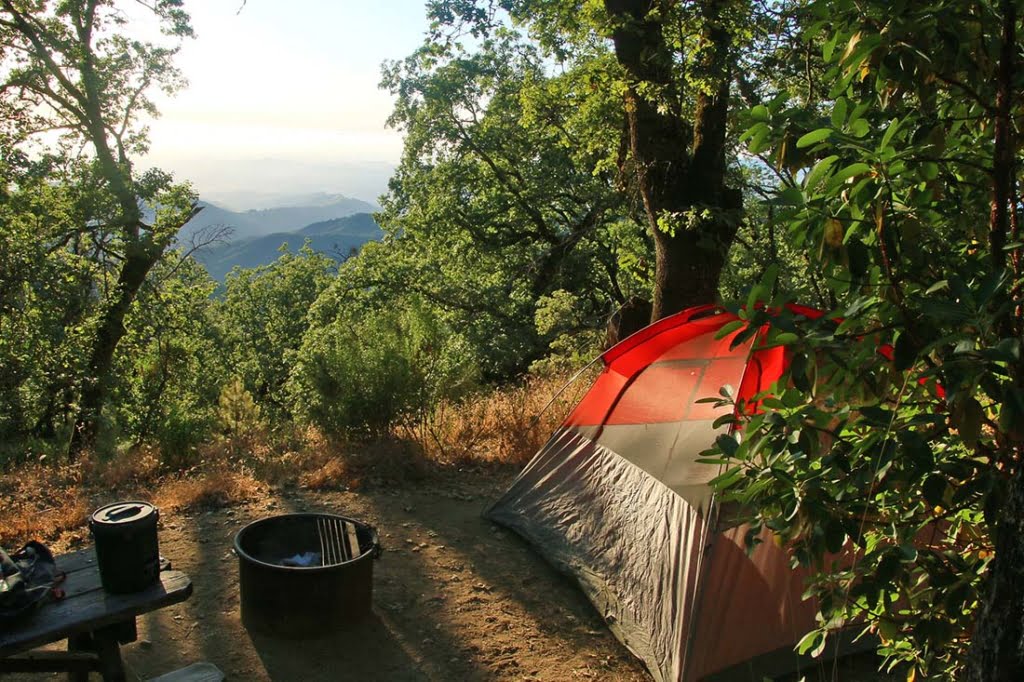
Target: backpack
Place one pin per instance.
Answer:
(27, 578)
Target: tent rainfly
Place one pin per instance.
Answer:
(617, 500)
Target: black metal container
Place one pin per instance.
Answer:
(127, 550)
(300, 575)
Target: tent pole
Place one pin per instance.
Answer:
(561, 390)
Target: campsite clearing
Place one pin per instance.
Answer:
(455, 598)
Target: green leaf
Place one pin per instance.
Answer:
(889, 133)
(760, 113)
(728, 444)
(818, 172)
(845, 174)
(969, 420)
(729, 328)
(813, 642)
(792, 196)
(859, 128)
(785, 339)
(726, 479)
(839, 112)
(814, 137)
(758, 138)
(908, 553)
(829, 47)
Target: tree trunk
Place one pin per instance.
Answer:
(679, 165)
(997, 645)
(136, 267)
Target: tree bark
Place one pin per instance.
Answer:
(679, 165)
(108, 335)
(997, 644)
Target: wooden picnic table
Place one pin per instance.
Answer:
(94, 622)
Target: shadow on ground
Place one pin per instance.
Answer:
(369, 650)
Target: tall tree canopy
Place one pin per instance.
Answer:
(902, 183)
(503, 196)
(73, 68)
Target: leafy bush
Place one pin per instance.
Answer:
(238, 415)
(169, 367)
(179, 435)
(263, 318)
(359, 376)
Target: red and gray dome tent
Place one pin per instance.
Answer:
(617, 499)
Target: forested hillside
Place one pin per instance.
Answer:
(337, 238)
(571, 171)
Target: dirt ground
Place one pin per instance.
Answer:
(455, 597)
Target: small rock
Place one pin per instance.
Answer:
(145, 644)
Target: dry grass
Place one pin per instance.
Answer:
(23, 521)
(506, 425)
(503, 426)
(132, 469)
(209, 489)
(41, 501)
(334, 474)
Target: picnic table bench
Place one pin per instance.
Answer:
(94, 622)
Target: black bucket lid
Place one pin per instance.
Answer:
(117, 513)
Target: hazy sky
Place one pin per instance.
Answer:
(290, 79)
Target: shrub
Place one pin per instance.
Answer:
(360, 376)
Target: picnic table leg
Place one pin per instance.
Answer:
(80, 642)
(105, 640)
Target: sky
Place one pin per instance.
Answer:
(291, 80)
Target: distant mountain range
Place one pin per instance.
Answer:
(280, 218)
(240, 184)
(332, 224)
(337, 238)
